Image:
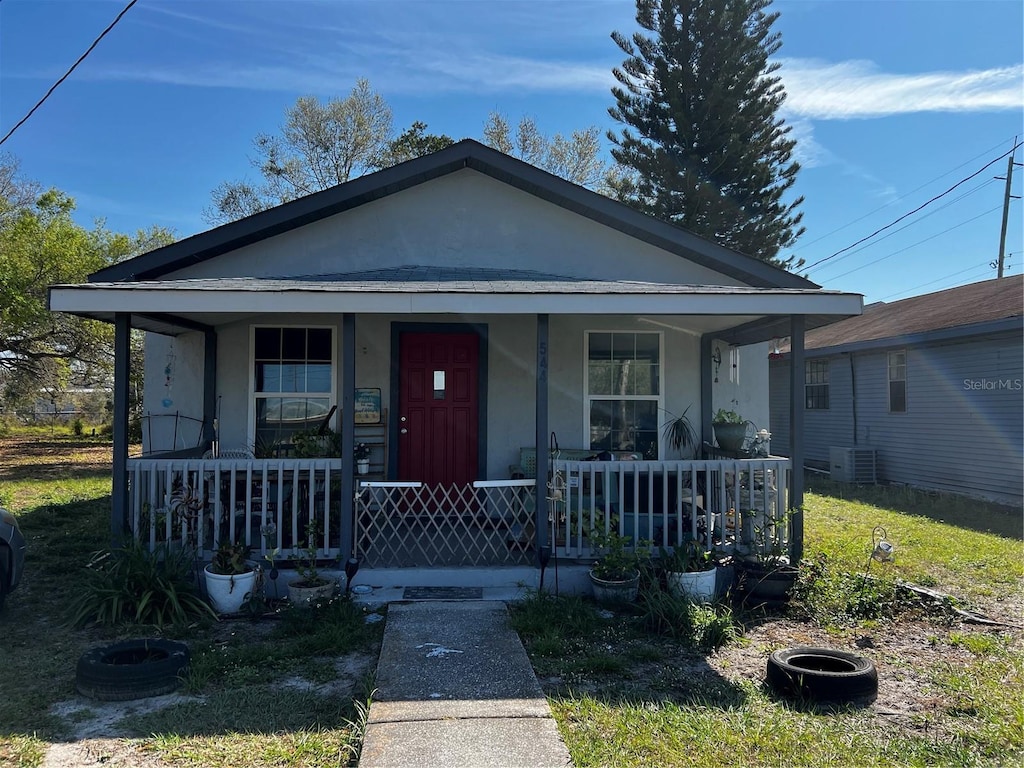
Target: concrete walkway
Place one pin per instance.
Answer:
(455, 688)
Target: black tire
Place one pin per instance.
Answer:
(134, 669)
(822, 674)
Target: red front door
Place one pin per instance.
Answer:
(438, 414)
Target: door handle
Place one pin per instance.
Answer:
(405, 431)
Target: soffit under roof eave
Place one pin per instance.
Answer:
(89, 299)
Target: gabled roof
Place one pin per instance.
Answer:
(464, 154)
(985, 306)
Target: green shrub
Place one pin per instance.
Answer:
(706, 627)
(77, 427)
(132, 585)
(834, 596)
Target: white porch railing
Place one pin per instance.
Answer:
(201, 502)
(730, 505)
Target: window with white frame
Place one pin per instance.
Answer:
(623, 392)
(898, 381)
(293, 381)
(816, 385)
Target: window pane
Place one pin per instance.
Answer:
(624, 346)
(898, 396)
(647, 346)
(293, 344)
(599, 378)
(319, 344)
(318, 378)
(267, 343)
(624, 425)
(600, 346)
(268, 377)
(293, 378)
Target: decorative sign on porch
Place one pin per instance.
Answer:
(367, 408)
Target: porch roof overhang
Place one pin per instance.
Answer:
(177, 306)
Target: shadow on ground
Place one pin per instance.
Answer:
(961, 511)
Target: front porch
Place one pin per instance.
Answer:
(732, 506)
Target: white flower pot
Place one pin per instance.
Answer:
(363, 466)
(697, 586)
(227, 593)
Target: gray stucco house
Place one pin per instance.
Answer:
(927, 389)
(458, 313)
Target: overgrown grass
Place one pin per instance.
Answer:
(760, 732)
(272, 690)
(651, 701)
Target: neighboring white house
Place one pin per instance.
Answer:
(477, 304)
(927, 391)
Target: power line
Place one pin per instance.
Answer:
(66, 74)
(901, 197)
(919, 242)
(911, 213)
(910, 224)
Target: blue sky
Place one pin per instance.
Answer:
(893, 102)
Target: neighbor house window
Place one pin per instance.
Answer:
(898, 381)
(623, 392)
(816, 385)
(293, 381)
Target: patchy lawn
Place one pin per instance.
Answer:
(950, 692)
(285, 691)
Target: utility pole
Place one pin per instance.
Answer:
(1006, 208)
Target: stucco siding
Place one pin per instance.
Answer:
(464, 219)
(511, 392)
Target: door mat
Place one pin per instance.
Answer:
(443, 593)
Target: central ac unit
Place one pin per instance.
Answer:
(852, 465)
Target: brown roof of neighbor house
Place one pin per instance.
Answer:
(987, 301)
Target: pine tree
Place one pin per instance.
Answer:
(703, 147)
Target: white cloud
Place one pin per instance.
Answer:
(847, 90)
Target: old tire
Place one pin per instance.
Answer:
(134, 669)
(822, 674)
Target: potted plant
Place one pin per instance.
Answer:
(310, 586)
(615, 577)
(361, 455)
(680, 434)
(765, 572)
(230, 577)
(690, 572)
(730, 429)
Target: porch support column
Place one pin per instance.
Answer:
(209, 386)
(541, 420)
(346, 504)
(706, 345)
(122, 362)
(796, 436)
